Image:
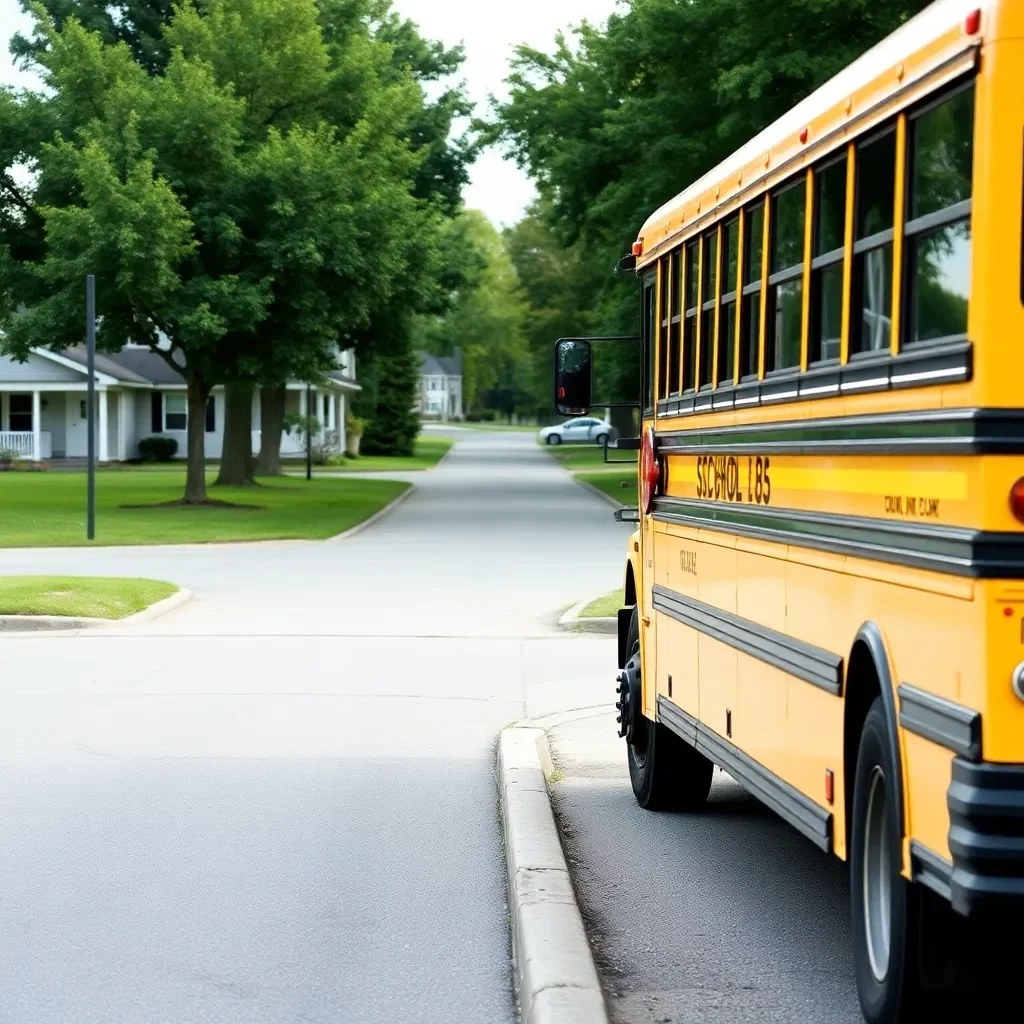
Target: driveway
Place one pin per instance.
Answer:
(277, 803)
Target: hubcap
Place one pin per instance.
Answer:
(629, 693)
(877, 879)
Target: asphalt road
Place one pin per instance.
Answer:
(727, 916)
(277, 803)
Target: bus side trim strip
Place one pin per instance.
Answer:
(929, 869)
(811, 664)
(942, 432)
(950, 725)
(787, 801)
(954, 550)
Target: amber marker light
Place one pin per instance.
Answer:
(1017, 500)
(638, 248)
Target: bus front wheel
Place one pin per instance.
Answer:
(882, 903)
(666, 773)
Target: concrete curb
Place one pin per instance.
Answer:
(379, 514)
(555, 975)
(573, 616)
(64, 623)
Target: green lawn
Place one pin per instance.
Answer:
(590, 456)
(96, 597)
(621, 485)
(48, 509)
(427, 452)
(604, 607)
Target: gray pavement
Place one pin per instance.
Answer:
(728, 916)
(277, 803)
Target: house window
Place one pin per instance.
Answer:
(175, 412)
(20, 413)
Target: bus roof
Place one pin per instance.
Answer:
(922, 41)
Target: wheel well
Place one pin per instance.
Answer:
(630, 587)
(862, 687)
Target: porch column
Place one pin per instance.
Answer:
(37, 426)
(103, 454)
(302, 403)
(123, 399)
(331, 412)
(342, 440)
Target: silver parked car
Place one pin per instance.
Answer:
(582, 430)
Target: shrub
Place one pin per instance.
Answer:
(158, 449)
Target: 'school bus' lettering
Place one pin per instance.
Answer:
(734, 478)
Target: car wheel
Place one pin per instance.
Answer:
(665, 772)
(600, 440)
(554, 438)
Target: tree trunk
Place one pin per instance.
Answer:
(268, 462)
(195, 476)
(236, 462)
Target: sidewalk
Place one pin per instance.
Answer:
(723, 917)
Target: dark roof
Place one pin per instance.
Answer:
(138, 365)
(441, 366)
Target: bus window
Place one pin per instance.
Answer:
(750, 325)
(939, 219)
(707, 327)
(786, 283)
(827, 265)
(663, 273)
(674, 326)
(872, 262)
(727, 334)
(648, 344)
(690, 319)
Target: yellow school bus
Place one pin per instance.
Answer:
(826, 589)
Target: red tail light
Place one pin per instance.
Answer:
(972, 22)
(1017, 500)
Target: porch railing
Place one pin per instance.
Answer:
(20, 442)
(295, 444)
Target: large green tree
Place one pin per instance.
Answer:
(259, 181)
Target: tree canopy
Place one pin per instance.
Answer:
(614, 121)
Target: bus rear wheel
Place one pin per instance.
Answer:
(666, 773)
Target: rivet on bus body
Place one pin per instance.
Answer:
(766, 159)
(902, 71)
(739, 180)
(1017, 680)
(849, 105)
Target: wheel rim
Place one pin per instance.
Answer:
(877, 877)
(638, 748)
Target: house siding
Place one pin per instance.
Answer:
(37, 370)
(51, 420)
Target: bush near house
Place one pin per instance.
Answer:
(158, 449)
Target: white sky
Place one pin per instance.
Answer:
(489, 31)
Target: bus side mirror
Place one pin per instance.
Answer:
(574, 368)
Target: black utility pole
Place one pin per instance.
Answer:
(90, 345)
(309, 433)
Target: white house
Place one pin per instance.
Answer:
(440, 394)
(43, 405)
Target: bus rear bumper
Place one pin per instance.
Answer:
(986, 836)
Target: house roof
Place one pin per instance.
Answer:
(441, 366)
(135, 365)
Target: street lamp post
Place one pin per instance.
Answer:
(309, 433)
(90, 346)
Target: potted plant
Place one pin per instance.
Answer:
(354, 428)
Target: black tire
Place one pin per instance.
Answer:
(666, 773)
(600, 440)
(888, 979)
(554, 438)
